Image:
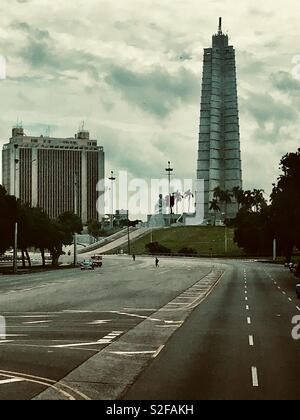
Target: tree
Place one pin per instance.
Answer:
(156, 248)
(285, 200)
(94, 228)
(258, 199)
(61, 232)
(8, 217)
(253, 231)
(223, 196)
(238, 194)
(187, 251)
(214, 206)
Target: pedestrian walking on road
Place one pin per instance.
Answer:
(133, 257)
(156, 262)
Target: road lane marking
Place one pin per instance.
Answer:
(290, 299)
(9, 381)
(246, 292)
(36, 322)
(246, 299)
(135, 315)
(278, 287)
(158, 350)
(132, 353)
(62, 346)
(63, 389)
(247, 307)
(284, 293)
(298, 308)
(99, 322)
(248, 320)
(254, 376)
(251, 340)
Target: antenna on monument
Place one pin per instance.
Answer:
(220, 26)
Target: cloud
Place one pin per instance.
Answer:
(42, 53)
(284, 82)
(155, 91)
(271, 116)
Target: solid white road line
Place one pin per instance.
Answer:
(61, 346)
(158, 350)
(251, 340)
(9, 381)
(254, 376)
(132, 353)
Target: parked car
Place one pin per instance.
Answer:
(97, 260)
(87, 265)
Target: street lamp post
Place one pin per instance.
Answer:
(112, 179)
(15, 264)
(75, 212)
(169, 171)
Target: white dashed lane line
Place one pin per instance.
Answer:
(248, 320)
(254, 376)
(251, 340)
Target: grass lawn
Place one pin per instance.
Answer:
(200, 238)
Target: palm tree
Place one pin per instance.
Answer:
(189, 195)
(238, 194)
(223, 196)
(248, 200)
(178, 198)
(214, 206)
(258, 199)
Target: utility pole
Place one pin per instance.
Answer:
(15, 264)
(112, 179)
(75, 212)
(128, 233)
(169, 171)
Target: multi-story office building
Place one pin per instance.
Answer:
(219, 156)
(55, 174)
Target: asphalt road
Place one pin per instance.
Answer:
(192, 329)
(236, 345)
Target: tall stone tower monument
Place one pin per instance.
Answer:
(219, 156)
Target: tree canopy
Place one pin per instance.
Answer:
(35, 228)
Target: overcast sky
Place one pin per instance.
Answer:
(132, 70)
